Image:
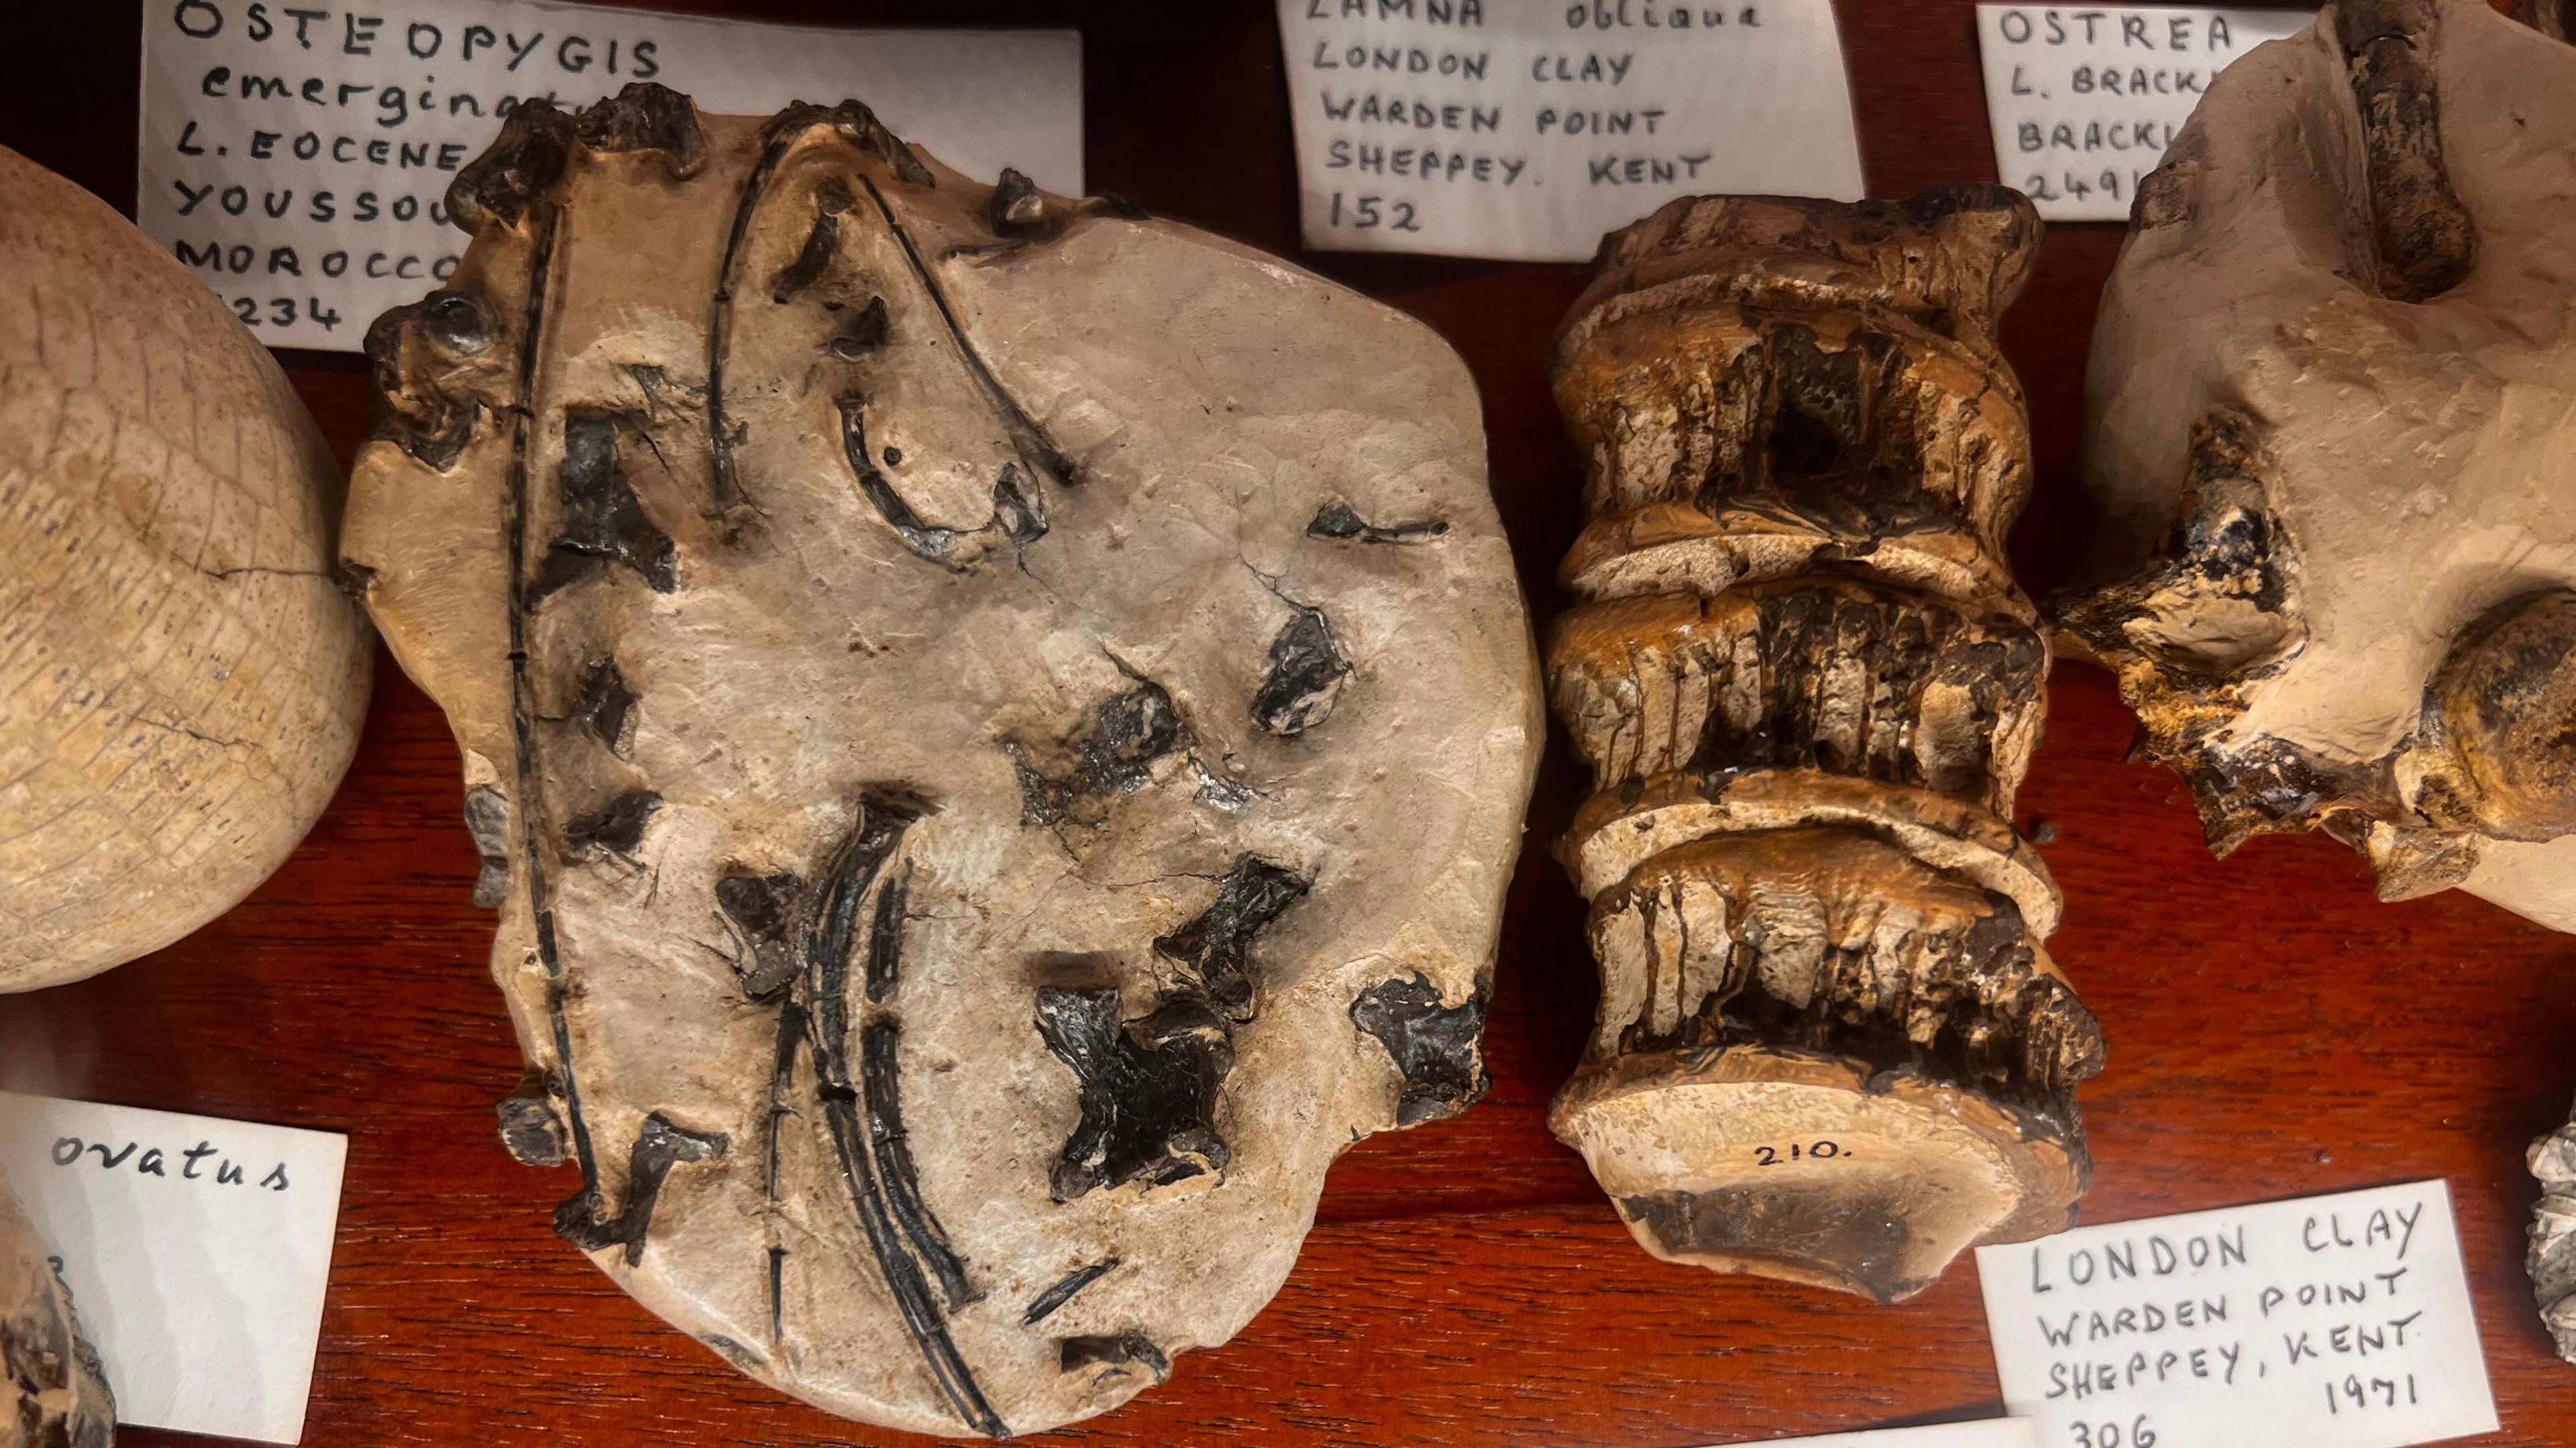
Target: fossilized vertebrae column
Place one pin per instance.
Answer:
(1831, 1046)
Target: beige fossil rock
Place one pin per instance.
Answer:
(998, 728)
(2332, 429)
(1831, 1046)
(52, 1393)
(181, 681)
(2333, 433)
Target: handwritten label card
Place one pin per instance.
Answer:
(2083, 101)
(2327, 1322)
(1987, 1433)
(196, 1251)
(296, 156)
(1522, 130)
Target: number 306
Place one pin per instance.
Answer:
(2111, 1435)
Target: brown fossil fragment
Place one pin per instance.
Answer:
(2553, 18)
(998, 752)
(181, 679)
(1831, 1046)
(2553, 1236)
(2331, 427)
(52, 1392)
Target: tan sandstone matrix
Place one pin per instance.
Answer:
(181, 679)
(997, 728)
(1831, 1047)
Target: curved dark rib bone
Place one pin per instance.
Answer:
(874, 1165)
(1032, 439)
(523, 734)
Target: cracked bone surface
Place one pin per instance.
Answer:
(52, 1392)
(1831, 1046)
(2332, 433)
(997, 726)
(181, 680)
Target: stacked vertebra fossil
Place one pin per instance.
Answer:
(997, 750)
(1831, 1046)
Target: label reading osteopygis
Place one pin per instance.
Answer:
(297, 157)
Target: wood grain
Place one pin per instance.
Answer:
(2273, 1030)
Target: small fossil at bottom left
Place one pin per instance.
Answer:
(53, 1394)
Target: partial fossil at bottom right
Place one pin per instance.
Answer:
(2332, 435)
(1832, 1047)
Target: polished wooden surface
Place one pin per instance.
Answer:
(2273, 1030)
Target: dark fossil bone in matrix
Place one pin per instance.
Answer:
(1831, 1046)
(997, 748)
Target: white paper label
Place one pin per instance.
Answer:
(296, 156)
(2084, 101)
(196, 1251)
(1986, 1433)
(1523, 129)
(2326, 1322)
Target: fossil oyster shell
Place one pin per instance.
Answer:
(2331, 424)
(997, 726)
(52, 1391)
(181, 680)
(1831, 1046)
(2332, 431)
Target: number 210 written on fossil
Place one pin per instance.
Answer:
(1798, 1151)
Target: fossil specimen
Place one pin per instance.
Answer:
(181, 681)
(52, 1393)
(2333, 433)
(2332, 430)
(2553, 18)
(997, 727)
(2553, 1236)
(1831, 1047)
